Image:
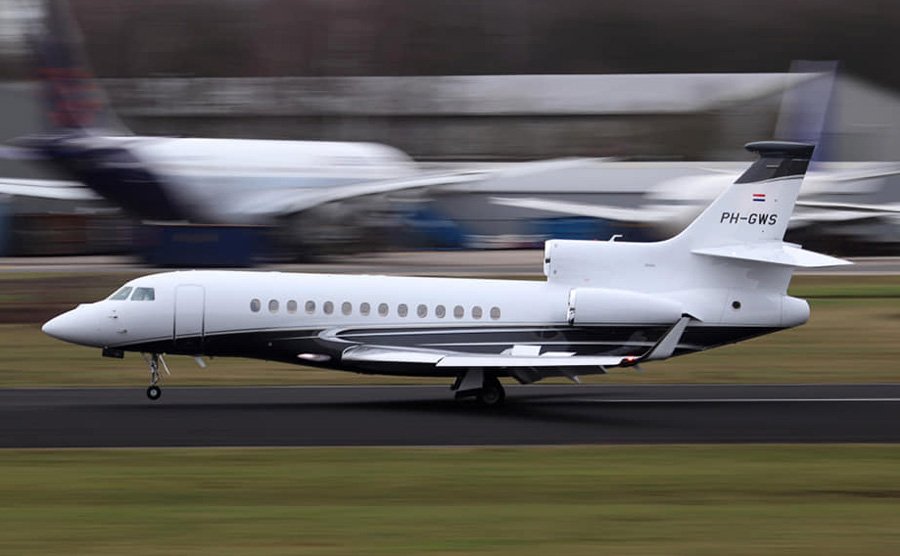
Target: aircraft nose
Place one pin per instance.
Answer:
(51, 327)
(60, 326)
(69, 327)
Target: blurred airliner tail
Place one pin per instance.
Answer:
(807, 110)
(72, 98)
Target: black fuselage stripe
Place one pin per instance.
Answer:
(286, 345)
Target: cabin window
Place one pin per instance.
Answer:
(255, 305)
(402, 310)
(383, 309)
(121, 294)
(143, 294)
(440, 311)
(476, 312)
(346, 308)
(364, 309)
(273, 305)
(459, 312)
(495, 313)
(422, 311)
(310, 307)
(328, 307)
(291, 306)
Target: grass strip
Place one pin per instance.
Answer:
(691, 500)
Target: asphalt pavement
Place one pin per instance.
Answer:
(428, 416)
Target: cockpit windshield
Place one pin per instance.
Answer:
(121, 294)
(140, 294)
(143, 294)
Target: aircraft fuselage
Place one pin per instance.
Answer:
(312, 319)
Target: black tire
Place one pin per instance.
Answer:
(154, 392)
(492, 393)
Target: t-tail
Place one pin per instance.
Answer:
(730, 267)
(757, 207)
(748, 220)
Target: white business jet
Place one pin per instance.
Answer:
(604, 304)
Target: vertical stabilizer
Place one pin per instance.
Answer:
(758, 205)
(72, 98)
(807, 110)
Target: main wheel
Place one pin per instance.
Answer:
(492, 393)
(154, 392)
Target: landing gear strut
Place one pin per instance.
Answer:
(485, 388)
(154, 391)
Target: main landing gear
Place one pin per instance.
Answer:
(485, 388)
(154, 360)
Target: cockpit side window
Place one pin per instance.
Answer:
(143, 294)
(121, 294)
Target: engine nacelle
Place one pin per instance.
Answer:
(610, 306)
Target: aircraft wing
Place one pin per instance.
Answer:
(866, 209)
(282, 203)
(863, 174)
(830, 212)
(47, 189)
(635, 215)
(526, 357)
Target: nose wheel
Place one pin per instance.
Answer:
(154, 360)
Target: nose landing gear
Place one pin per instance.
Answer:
(154, 392)
(154, 359)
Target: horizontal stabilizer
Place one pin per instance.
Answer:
(777, 253)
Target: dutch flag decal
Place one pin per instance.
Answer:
(759, 197)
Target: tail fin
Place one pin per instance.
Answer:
(807, 110)
(72, 98)
(758, 206)
(748, 220)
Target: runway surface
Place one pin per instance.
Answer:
(427, 415)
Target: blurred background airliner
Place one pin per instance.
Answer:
(490, 160)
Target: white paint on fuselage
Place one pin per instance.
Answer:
(229, 294)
